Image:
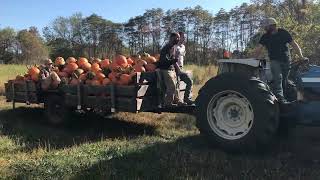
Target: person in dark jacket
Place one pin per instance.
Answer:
(166, 64)
(276, 41)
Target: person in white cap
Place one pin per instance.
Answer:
(276, 41)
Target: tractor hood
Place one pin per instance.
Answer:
(311, 79)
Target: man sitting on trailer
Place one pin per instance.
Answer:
(180, 52)
(167, 69)
(49, 78)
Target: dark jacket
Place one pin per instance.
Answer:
(166, 61)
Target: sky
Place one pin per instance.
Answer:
(21, 14)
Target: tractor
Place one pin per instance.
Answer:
(238, 111)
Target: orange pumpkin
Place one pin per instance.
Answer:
(113, 76)
(157, 56)
(151, 59)
(106, 81)
(82, 61)
(125, 79)
(34, 71)
(74, 81)
(121, 61)
(63, 74)
(59, 61)
(151, 67)
(83, 77)
(71, 67)
(35, 77)
(95, 67)
(130, 61)
(105, 63)
(139, 68)
(114, 66)
(86, 66)
(141, 63)
(71, 60)
(95, 82)
(100, 76)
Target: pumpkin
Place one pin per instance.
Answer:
(151, 67)
(106, 81)
(125, 79)
(59, 61)
(113, 76)
(96, 60)
(105, 63)
(34, 71)
(83, 77)
(141, 63)
(35, 77)
(95, 67)
(100, 76)
(130, 61)
(86, 66)
(114, 66)
(82, 61)
(95, 82)
(74, 81)
(151, 59)
(71, 67)
(71, 60)
(139, 68)
(121, 61)
(157, 56)
(63, 74)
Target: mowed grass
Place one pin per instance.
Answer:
(139, 146)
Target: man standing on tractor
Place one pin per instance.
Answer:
(166, 66)
(180, 52)
(276, 41)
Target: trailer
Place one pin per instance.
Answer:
(145, 95)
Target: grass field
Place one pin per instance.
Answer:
(140, 146)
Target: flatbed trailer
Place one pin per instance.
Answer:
(145, 95)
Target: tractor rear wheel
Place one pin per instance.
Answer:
(237, 113)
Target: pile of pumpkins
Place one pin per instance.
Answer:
(97, 72)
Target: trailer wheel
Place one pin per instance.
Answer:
(55, 110)
(237, 113)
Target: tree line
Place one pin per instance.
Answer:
(207, 35)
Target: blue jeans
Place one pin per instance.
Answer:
(280, 72)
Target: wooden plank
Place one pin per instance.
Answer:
(122, 104)
(21, 97)
(120, 91)
(22, 86)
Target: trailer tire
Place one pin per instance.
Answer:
(55, 110)
(237, 113)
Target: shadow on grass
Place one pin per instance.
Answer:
(295, 157)
(192, 158)
(27, 125)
